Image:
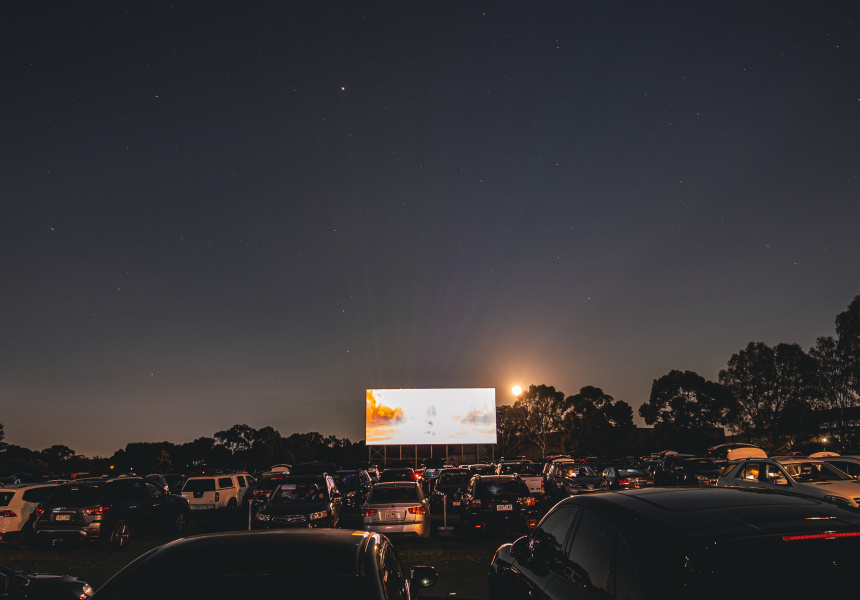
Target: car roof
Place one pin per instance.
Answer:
(26, 486)
(718, 514)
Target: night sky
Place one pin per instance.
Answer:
(251, 212)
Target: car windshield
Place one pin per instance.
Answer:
(75, 495)
(581, 472)
(521, 468)
(699, 464)
(199, 485)
(394, 494)
(454, 478)
(810, 472)
(346, 481)
(298, 491)
(502, 488)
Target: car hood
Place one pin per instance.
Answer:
(850, 488)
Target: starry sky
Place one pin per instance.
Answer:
(250, 212)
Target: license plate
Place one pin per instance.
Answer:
(504, 507)
(391, 516)
(62, 517)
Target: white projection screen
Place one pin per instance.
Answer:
(431, 416)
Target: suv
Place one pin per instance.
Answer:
(17, 505)
(528, 471)
(498, 501)
(216, 491)
(108, 511)
(302, 501)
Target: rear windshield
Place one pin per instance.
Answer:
(699, 464)
(199, 485)
(77, 495)
(394, 494)
(502, 488)
(454, 478)
(521, 468)
(268, 483)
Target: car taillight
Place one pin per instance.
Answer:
(97, 510)
(40, 511)
(416, 476)
(368, 512)
(7, 513)
(624, 481)
(416, 510)
(217, 496)
(528, 501)
(476, 503)
(821, 536)
(649, 481)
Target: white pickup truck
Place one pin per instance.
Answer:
(528, 471)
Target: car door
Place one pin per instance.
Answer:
(543, 558)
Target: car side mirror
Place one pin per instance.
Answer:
(521, 549)
(780, 481)
(423, 577)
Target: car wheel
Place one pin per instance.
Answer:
(180, 522)
(232, 503)
(120, 535)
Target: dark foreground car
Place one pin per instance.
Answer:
(319, 563)
(108, 511)
(40, 586)
(698, 542)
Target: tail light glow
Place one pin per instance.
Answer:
(217, 496)
(821, 536)
(528, 501)
(97, 510)
(368, 512)
(416, 510)
(7, 513)
(476, 503)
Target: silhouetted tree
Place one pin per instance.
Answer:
(848, 344)
(540, 411)
(833, 386)
(597, 424)
(507, 431)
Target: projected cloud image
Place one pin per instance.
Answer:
(437, 416)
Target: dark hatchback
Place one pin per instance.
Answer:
(450, 485)
(703, 543)
(15, 585)
(108, 511)
(497, 502)
(301, 501)
(354, 485)
(320, 563)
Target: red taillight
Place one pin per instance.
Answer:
(416, 476)
(7, 513)
(217, 496)
(368, 512)
(416, 510)
(528, 501)
(821, 536)
(649, 481)
(97, 510)
(624, 481)
(40, 511)
(475, 503)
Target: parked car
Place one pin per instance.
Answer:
(263, 486)
(301, 501)
(850, 465)
(17, 510)
(483, 469)
(799, 475)
(15, 585)
(625, 478)
(686, 469)
(216, 491)
(497, 502)
(575, 478)
(354, 486)
(531, 473)
(399, 474)
(696, 542)
(320, 563)
(450, 485)
(397, 508)
(108, 511)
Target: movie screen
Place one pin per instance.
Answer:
(435, 416)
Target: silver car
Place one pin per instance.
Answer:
(799, 475)
(397, 508)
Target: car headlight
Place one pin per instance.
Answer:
(838, 500)
(263, 517)
(318, 515)
(86, 591)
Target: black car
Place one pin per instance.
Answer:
(575, 478)
(301, 501)
(108, 511)
(399, 474)
(450, 484)
(354, 485)
(625, 478)
(263, 486)
(685, 469)
(320, 563)
(15, 585)
(497, 502)
(697, 542)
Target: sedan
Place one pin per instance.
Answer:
(799, 475)
(289, 563)
(40, 586)
(397, 508)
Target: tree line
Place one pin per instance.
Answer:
(772, 396)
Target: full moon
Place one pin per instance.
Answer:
(517, 390)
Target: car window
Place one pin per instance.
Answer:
(300, 491)
(225, 482)
(810, 472)
(547, 541)
(749, 471)
(391, 573)
(773, 472)
(627, 583)
(501, 488)
(852, 468)
(6, 498)
(199, 485)
(589, 561)
(38, 494)
(454, 478)
(394, 494)
(242, 481)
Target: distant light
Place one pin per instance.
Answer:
(516, 390)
